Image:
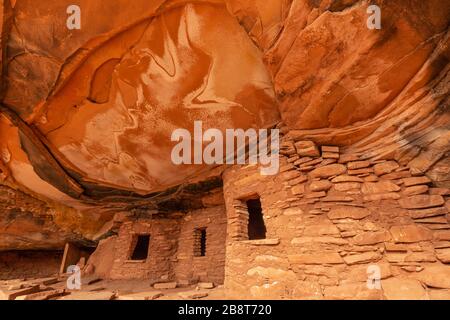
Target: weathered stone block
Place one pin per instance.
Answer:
(356, 291)
(193, 294)
(262, 242)
(298, 189)
(307, 149)
(344, 158)
(346, 186)
(379, 187)
(314, 195)
(326, 240)
(316, 258)
(403, 289)
(321, 230)
(330, 155)
(307, 290)
(369, 238)
(12, 295)
(422, 201)
(294, 211)
(328, 171)
(396, 175)
(385, 167)
(273, 274)
(420, 257)
(381, 196)
(410, 233)
(414, 190)
(346, 178)
(343, 212)
(205, 285)
(333, 149)
(435, 276)
(165, 285)
(321, 185)
(443, 255)
(365, 257)
(152, 295)
(415, 181)
(354, 165)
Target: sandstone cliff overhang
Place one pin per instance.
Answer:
(86, 114)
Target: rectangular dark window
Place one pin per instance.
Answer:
(256, 226)
(140, 251)
(200, 242)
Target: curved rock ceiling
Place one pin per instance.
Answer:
(86, 115)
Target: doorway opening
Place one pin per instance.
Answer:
(140, 251)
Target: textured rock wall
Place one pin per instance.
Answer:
(29, 264)
(329, 216)
(211, 267)
(29, 223)
(171, 253)
(162, 248)
(86, 115)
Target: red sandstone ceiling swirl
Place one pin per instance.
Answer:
(88, 112)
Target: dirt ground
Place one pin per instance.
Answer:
(92, 288)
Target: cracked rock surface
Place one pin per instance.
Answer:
(86, 115)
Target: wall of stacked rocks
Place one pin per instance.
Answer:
(19, 264)
(172, 252)
(332, 218)
(192, 268)
(162, 247)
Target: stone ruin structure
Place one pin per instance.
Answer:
(363, 187)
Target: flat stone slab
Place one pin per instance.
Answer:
(337, 199)
(44, 295)
(353, 165)
(262, 242)
(93, 295)
(316, 258)
(165, 285)
(403, 289)
(382, 196)
(152, 295)
(13, 294)
(410, 233)
(379, 187)
(348, 212)
(47, 281)
(365, 257)
(443, 255)
(328, 171)
(385, 167)
(346, 178)
(415, 190)
(436, 276)
(205, 285)
(413, 181)
(193, 294)
(422, 202)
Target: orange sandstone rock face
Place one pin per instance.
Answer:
(87, 115)
(113, 109)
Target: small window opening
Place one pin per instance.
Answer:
(256, 227)
(140, 251)
(200, 242)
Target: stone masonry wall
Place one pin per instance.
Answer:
(29, 263)
(331, 220)
(163, 245)
(211, 267)
(171, 252)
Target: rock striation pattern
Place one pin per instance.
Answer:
(86, 118)
(330, 217)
